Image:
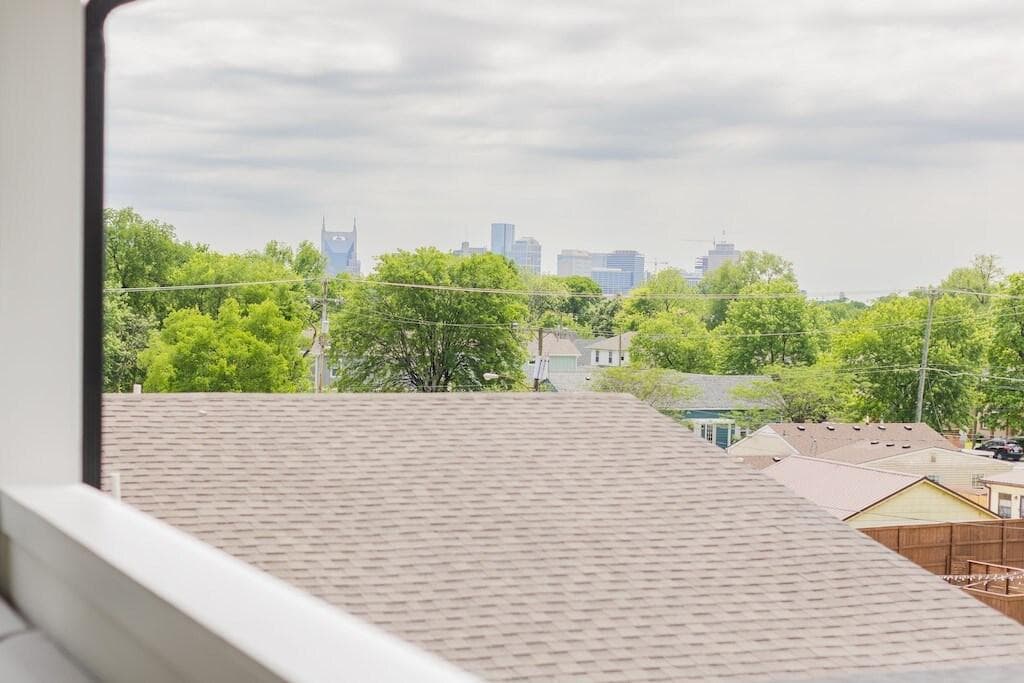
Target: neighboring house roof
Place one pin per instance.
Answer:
(714, 392)
(758, 462)
(541, 536)
(612, 343)
(554, 346)
(1014, 477)
(812, 438)
(867, 451)
(843, 489)
(574, 381)
(583, 346)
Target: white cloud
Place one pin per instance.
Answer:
(799, 125)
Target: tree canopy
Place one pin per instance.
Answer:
(773, 325)
(256, 350)
(884, 344)
(731, 278)
(389, 338)
(1004, 388)
(676, 340)
(660, 388)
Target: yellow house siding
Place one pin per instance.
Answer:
(951, 468)
(921, 503)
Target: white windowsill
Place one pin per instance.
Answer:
(132, 598)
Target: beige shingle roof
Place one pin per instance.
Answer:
(817, 439)
(541, 536)
(841, 488)
(612, 343)
(554, 346)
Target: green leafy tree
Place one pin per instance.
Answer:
(662, 389)
(1004, 390)
(729, 279)
(676, 340)
(773, 325)
(603, 316)
(396, 338)
(981, 278)
(885, 345)
(209, 267)
(840, 310)
(583, 306)
(797, 394)
(664, 292)
(256, 350)
(125, 335)
(141, 253)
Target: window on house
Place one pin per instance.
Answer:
(933, 477)
(976, 481)
(1021, 513)
(610, 357)
(1005, 506)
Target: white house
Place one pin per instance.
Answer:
(612, 351)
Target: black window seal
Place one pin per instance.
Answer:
(96, 13)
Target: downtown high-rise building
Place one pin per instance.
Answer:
(339, 249)
(526, 255)
(575, 262)
(616, 272)
(503, 236)
(721, 253)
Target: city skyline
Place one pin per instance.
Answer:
(859, 156)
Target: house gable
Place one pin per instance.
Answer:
(921, 502)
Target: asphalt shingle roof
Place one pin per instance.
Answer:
(841, 488)
(554, 346)
(712, 392)
(817, 439)
(547, 537)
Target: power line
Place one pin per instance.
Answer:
(211, 285)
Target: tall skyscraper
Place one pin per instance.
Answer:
(612, 280)
(631, 262)
(503, 236)
(719, 254)
(575, 262)
(339, 248)
(526, 254)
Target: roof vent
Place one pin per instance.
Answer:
(874, 442)
(907, 427)
(906, 445)
(801, 428)
(776, 458)
(882, 427)
(890, 444)
(856, 428)
(830, 428)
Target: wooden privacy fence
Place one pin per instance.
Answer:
(945, 548)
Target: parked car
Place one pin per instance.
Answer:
(1002, 449)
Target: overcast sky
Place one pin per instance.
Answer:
(876, 144)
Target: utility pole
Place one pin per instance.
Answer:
(618, 360)
(537, 362)
(321, 358)
(924, 357)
